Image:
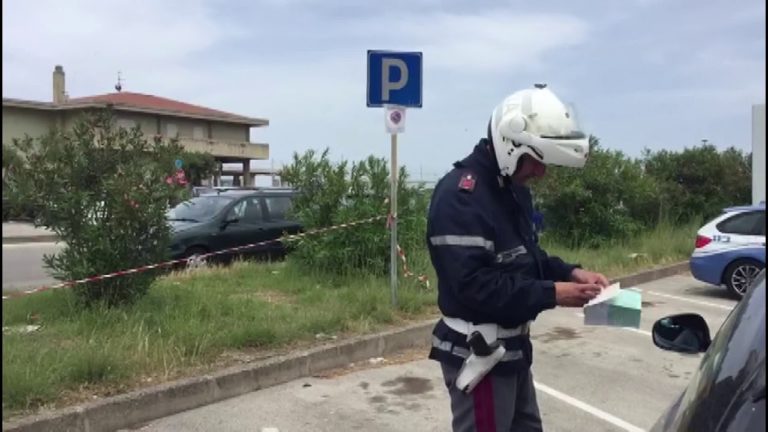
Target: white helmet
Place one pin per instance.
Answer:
(535, 122)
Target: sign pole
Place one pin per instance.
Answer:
(393, 224)
(394, 82)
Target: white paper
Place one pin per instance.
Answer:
(607, 293)
(605, 310)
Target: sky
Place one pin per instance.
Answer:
(657, 74)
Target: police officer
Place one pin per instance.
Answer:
(493, 278)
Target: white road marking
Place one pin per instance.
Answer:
(588, 408)
(698, 302)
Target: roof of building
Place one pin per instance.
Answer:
(128, 101)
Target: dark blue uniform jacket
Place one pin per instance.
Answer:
(484, 249)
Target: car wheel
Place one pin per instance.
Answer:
(194, 256)
(739, 275)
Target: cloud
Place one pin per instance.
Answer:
(165, 32)
(640, 72)
(149, 41)
(473, 43)
(172, 47)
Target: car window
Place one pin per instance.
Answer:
(237, 211)
(278, 207)
(199, 209)
(751, 223)
(248, 210)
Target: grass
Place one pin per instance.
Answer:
(208, 318)
(187, 320)
(667, 244)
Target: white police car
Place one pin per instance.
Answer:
(730, 250)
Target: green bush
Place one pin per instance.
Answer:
(103, 190)
(700, 181)
(615, 197)
(331, 194)
(609, 199)
(13, 208)
(198, 166)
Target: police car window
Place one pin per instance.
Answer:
(278, 207)
(752, 223)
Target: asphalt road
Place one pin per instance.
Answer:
(588, 379)
(23, 265)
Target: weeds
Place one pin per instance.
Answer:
(194, 319)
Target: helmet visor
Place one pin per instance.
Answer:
(564, 126)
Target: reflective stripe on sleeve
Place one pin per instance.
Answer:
(461, 240)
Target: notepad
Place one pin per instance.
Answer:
(614, 307)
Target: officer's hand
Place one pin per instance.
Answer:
(587, 277)
(572, 294)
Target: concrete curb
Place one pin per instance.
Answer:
(652, 274)
(31, 239)
(144, 405)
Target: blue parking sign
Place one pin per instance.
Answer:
(394, 78)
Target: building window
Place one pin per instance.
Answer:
(197, 133)
(126, 123)
(171, 130)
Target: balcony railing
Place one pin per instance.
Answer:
(227, 149)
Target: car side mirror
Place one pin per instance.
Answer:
(228, 221)
(685, 333)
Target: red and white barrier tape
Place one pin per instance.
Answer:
(407, 273)
(183, 260)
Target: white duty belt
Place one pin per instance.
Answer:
(490, 332)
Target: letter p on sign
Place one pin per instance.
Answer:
(394, 78)
(387, 84)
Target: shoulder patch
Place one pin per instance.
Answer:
(467, 182)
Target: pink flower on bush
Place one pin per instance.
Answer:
(181, 178)
(178, 178)
(130, 201)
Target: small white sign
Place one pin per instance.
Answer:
(394, 119)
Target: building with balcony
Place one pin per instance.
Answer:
(224, 135)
